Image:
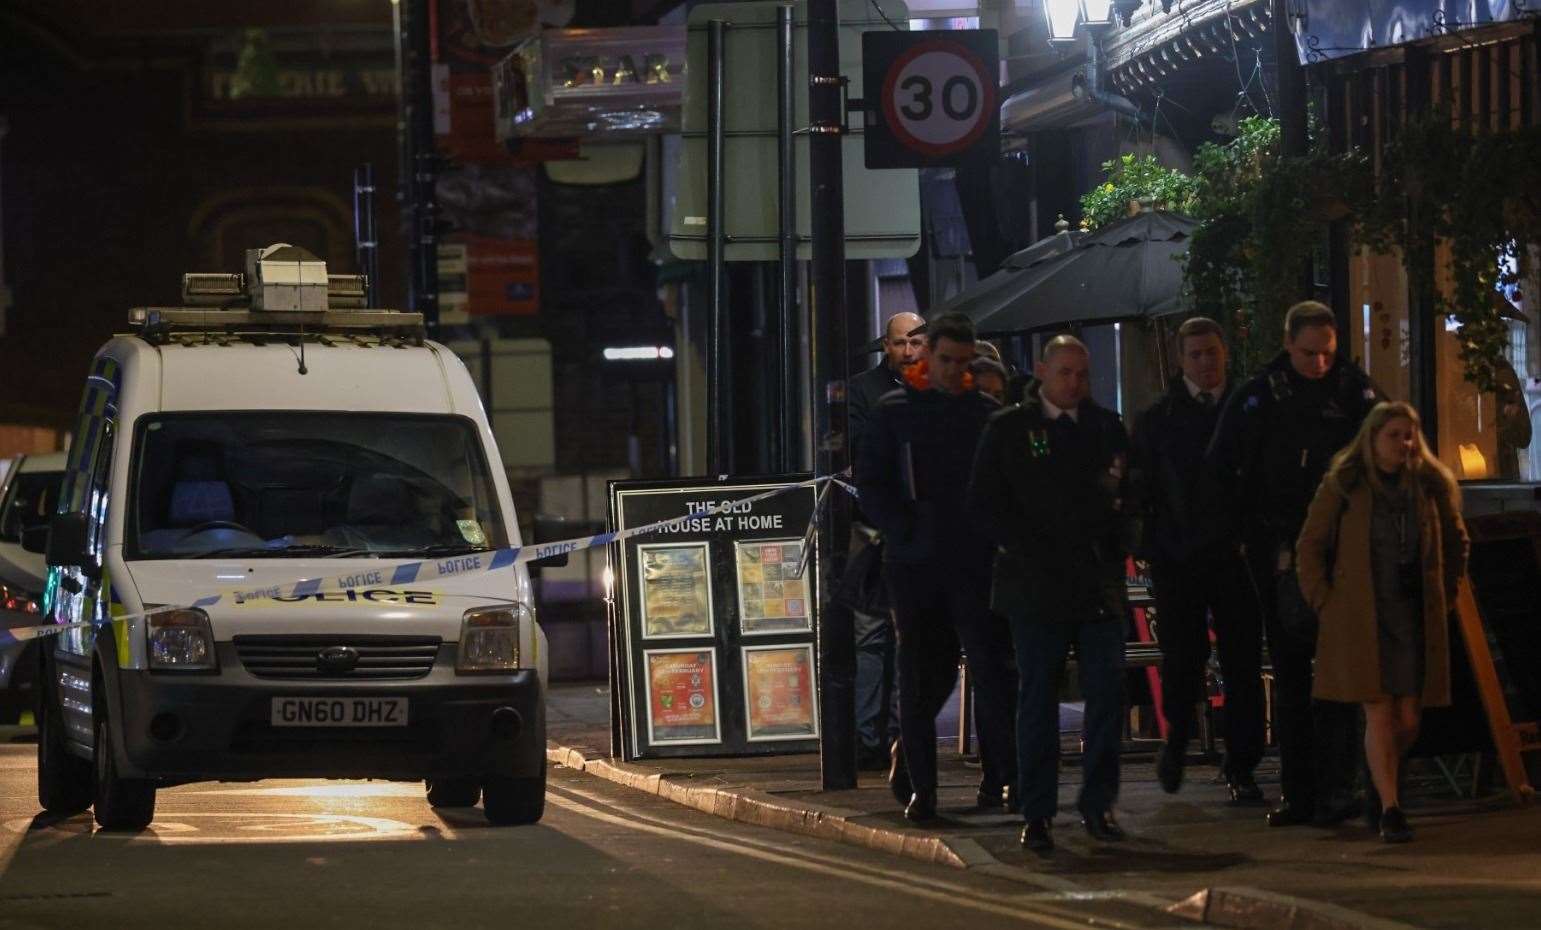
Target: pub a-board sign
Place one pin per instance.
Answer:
(713, 620)
(1496, 653)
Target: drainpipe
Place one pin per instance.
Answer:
(1089, 87)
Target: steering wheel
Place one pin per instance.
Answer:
(218, 525)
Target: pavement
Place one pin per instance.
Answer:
(1476, 863)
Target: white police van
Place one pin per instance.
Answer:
(277, 542)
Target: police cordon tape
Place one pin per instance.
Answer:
(458, 566)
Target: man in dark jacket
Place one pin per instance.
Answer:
(1194, 571)
(1275, 438)
(877, 729)
(1048, 487)
(911, 474)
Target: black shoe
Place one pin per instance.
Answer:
(990, 799)
(1336, 810)
(898, 774)
(1288, 814)
(1394, 827)
(922, 806)
(1037, 835)
(1101, 826)
(1169, 768)
(1372, 812)
(1244, 789)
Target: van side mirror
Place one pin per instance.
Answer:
(68, 541)
(35, 538)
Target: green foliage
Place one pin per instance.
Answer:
(1263, 221)
(1139, 178)
(1477, 195)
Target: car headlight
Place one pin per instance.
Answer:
(489, 638)
(180, 639)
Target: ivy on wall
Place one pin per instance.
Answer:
(1263, 218)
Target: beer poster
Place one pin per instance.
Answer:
(771, 599)
(676, 591)
(778, 692)
(682, 696)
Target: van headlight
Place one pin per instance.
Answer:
(489, 638)
(180, 639)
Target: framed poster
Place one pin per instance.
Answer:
(770, 599)
(682, 696)
(676, 590)
(778, 692)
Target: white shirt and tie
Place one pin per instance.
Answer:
(1205, 398)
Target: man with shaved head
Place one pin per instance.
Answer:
(1048, 488)
(861, 588)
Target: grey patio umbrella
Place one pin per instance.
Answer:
(1020, 271)
(1129, 269)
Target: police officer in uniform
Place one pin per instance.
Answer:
(1195, 574)
(1272, 446)
(1048, 487)
(911, 473)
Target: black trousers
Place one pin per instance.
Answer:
(1216, 585)
(1318, 746)
(877, 718)
(934, 612)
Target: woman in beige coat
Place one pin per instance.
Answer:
(1379, 557)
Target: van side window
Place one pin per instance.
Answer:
(100, 488)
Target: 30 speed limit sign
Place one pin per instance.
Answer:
(936, 97)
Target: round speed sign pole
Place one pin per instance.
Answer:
(938, 98)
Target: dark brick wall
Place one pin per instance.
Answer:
(111, 193)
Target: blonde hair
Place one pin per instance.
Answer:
(1357, 459)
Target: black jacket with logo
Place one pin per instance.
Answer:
(1276, 437)
(1167, 475)
(912, 472)
(1044, 493)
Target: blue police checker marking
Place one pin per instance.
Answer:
(408, 572)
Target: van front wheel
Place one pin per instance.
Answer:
(121, 803)
(510, 801)
(63, 781)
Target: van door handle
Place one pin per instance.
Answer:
(69, 584)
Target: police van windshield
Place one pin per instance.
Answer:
(286, 484)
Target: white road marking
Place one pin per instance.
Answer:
(1022, 907)
(265, 828)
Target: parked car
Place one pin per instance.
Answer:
(28, 494)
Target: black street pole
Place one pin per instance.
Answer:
(786, 166)
(716, 444)
(837, 647)
(419, 160)
(366, 243)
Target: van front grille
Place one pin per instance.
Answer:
(297, 657)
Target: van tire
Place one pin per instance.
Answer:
(511, 801)
(453, 792)
(64, 781)
(121, 803)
